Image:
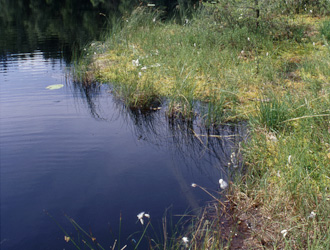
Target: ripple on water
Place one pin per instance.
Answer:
(81, 152)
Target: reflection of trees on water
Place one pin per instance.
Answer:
(54, 26)
(51, 25)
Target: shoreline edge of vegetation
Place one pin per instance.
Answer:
(227, 62)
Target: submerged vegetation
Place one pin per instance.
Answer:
(268, 64)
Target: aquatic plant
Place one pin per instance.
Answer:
(55, 86)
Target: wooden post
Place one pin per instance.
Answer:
(256, 3)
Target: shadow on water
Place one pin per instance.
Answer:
(88, 93)
(192, 141)
(214, 151)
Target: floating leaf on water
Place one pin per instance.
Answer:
(55, 86)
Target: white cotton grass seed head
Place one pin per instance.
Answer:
(185, 239)
(273, 138)
(312, 215)
(223, 184)
(140, 217)
(284, 232)
(232, 156)
(278, 174)
(136, 62)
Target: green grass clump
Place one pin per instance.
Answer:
(273, 112)
(289, 174)
(183, 62)
(325, 29)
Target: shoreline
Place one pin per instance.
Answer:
(276, 78)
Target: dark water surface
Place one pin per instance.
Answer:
(79, 152)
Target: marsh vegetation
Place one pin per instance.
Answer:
(261, 62)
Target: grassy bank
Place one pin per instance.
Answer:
(225, 65)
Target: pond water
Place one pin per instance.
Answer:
(77, 151)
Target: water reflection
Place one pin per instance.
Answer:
(78, 149)
(59, 27)
(87, 93)
(195, 150)
(214, 151)
(208, 150)
(54, 27)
